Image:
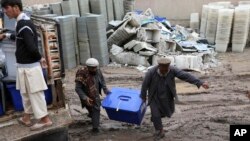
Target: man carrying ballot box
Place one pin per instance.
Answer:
(160, 90)
(89, 82)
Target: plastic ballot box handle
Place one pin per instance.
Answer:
(122, 98)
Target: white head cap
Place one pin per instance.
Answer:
(92, 62)
(163, 61)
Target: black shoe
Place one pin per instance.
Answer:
(95, 130)
(159, 134)
(89, 115)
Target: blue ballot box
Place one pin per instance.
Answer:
(124, 105)
(17, 99)
(1, 109)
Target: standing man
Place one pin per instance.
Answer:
(159, 83)
(30, 80)
(89, 82)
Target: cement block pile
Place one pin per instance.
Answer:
(141, 38)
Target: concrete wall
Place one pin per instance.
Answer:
(32, 2)
(177, 11)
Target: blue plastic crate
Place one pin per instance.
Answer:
(124, 105)
(48, 95)
(16, 97)
(1, 109)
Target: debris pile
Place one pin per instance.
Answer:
(142, 37)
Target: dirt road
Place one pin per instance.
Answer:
(204, 115)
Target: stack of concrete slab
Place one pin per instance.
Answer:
(118, 9)
(56, 8)
(74, 17)
(83, 7)
(97, 38)
(225, 4)
(244, 2)
(110, 10)
(195, 21)
(192, 62)
(212, 20)
(204, 21)
(70, 7)
(129, 5)
(83, 40)
(85, 53)
(240, 29)
(42, 11)
(50, 15)
(246, 5)
(82, 31)
(68, 41)
(224, 27)
(99, 7)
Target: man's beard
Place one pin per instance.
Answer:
(92, 73)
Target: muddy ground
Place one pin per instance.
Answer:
(204, 115)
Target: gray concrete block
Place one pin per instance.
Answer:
(144, 46)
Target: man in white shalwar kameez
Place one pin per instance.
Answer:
(30, 80)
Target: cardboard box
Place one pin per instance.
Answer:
(124, 105)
